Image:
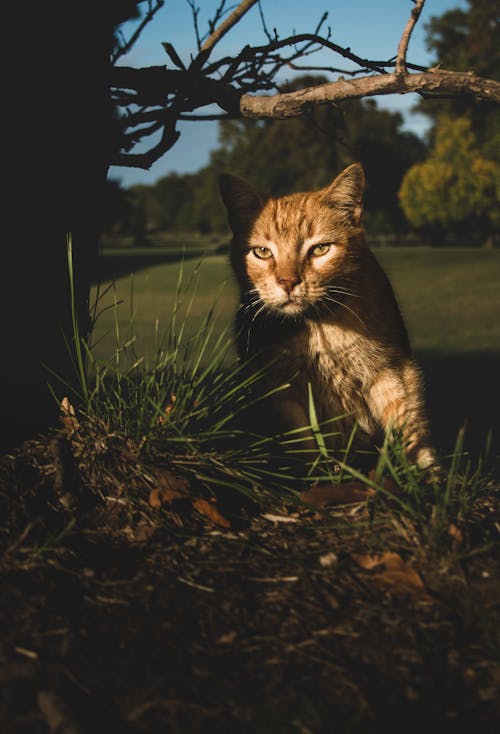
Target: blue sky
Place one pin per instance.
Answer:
(371, 28)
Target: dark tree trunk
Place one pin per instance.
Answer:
(60, 141)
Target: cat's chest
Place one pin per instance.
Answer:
(331, 349)
(324, 353)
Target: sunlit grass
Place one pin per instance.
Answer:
(450, 297)
(148, 299)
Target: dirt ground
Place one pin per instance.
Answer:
(126, 618)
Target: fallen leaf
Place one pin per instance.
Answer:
(170, 488)
(210, 511)
(343, 493)
(68, 417)
(161, 495)
(393, 574)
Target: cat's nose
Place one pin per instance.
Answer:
(289, 283)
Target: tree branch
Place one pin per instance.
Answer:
(145, 160)
(152, 99)
(227, 24)
(437, 82)
(405, 38)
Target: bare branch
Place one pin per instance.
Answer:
(270, 38)
(195, 11)
(351, 72)
(438, 82)
(405, 38)
(127, 45)
(151, 100)
(212, 24)
(311, 38)
(145, 160)
(227, 24)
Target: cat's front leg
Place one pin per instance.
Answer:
(287, 416)
(395, 400)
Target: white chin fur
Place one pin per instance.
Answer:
(291, 308)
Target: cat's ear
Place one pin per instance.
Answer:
(242, 201)
(346, 192)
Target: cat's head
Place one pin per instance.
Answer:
(290, 253)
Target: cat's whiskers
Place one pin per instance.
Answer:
(339, 303)
(253, 302)
(341, 291)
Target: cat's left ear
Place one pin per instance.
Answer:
(346, 192)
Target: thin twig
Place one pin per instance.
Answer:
(195, 11)
(405, 38)
(264, 25)
(227, 24)
(127, 45)
(212, 24)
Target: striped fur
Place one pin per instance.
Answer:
(324, 316)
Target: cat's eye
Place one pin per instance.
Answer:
(263, 253)
(319, 250)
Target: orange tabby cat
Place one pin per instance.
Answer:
(318, 310)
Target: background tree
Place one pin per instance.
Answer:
(468, 39)
(455, 190)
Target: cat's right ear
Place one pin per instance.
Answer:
(346, 193)
(242, 201)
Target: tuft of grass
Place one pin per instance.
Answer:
(180, 405)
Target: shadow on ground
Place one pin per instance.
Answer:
(112, 266)
(463, 389)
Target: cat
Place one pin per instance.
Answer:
(318, 313)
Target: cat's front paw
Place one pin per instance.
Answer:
(426, 461)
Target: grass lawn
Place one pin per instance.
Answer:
(450, 298)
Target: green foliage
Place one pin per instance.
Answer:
(468, 40)
(456, 187)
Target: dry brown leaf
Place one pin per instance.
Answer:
(344, 493)
(68, 417)
(161, 495)
(210, 511)
(393, 574)
(170, 487)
